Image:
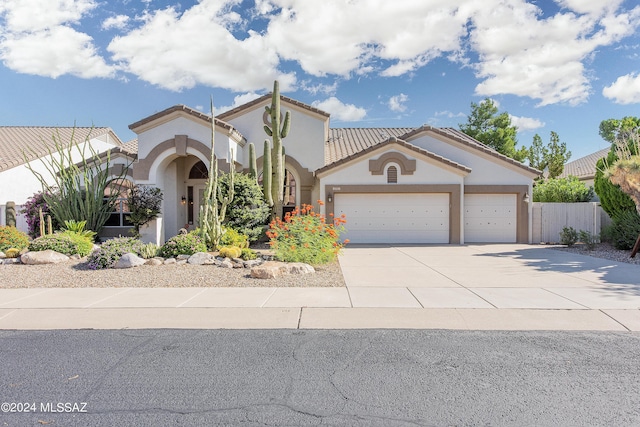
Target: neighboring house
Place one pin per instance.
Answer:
(584, 168)
(22, 144)
(423, 185)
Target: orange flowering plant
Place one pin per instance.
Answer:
(305, 236)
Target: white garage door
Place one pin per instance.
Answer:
(490, 218)
(395, 218)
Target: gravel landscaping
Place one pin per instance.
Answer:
(75, 274)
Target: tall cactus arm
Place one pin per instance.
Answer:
(287, 125)
(266, 173)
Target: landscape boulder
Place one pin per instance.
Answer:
(201, 258)
(43, 257)
(129, 260)
(275, 269)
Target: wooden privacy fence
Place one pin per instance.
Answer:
(550, 218)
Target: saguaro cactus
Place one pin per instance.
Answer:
(253, 166)
(212, 215)
(11, 214)
(267, 173)
(277, 133)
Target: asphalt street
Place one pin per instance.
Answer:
(318, 377)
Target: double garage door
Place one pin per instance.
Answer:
(424, 218)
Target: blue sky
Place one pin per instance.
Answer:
(562, 65)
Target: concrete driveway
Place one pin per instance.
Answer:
(487, 276)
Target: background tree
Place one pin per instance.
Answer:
(493, 129)
(552, 157)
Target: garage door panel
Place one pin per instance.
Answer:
(490, 218)
(395, 218)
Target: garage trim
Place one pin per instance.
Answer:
(522, 207)
(454, 191)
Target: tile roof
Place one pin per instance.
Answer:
(465, 139)
(345, 142)
(394, 140)
(36, 141)
(584, 167)
(190, 111)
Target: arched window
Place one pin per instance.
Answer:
(392, 175)
(199, 171)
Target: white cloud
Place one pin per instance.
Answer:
(396, 103)
(118, 22)
(315, 89)
(346, 37)
(625, 90)
(450, 115)
(543, 59)
(180, 50)
(341, 111)
(238, 101)
(37, 39)
(36, 15)
(526, 123)
(593, 7)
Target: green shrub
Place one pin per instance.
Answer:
(248, 212)
(304, 236)
(230, 252)
(612, 199)
(232, 237)
(562, 190)
(183, 244)
(149, 250)
(110, 252)
(568, 236)
(624, 230)
(78, 228)
(144, 205)
(11, 237)
(12, 253)
(589, 240)
(65, 242)
(248, 254)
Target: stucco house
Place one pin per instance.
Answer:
(395, 185)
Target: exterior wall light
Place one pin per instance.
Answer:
(330, 198)
(183, 201)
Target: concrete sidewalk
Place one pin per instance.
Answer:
(482, 287)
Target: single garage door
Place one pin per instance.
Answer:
(490, 218)
(395, 218)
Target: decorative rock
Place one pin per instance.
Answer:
(9, 261)
(170, 261)
(153, 261)
(201, 258)
(129, 260)
(269, 270)
(300, 268)
(252, 263)
(75, 257)
(181, 261)
(183, 256)
(43, 257)
(274, 269)
(226, 263)
(2, 255)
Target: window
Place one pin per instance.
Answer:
(118, 218)
(392, 175)
(199, 171)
